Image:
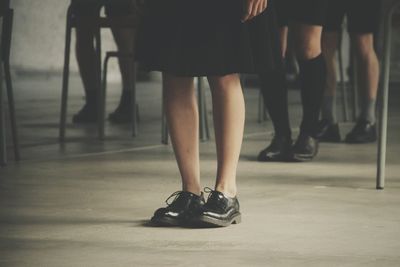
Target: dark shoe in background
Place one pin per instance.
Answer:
(178, 212)
(88, 114)
(279, 150)
(219, 211)
(121, 115)
(362, 133)
(305, 148)
(328, 132)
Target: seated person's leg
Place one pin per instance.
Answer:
(363, 24)
(125, 40)
(309, 16)
(328, 129)
(85, 55)
(274, 90)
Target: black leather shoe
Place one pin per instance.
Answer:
(305, 148)
(179, 210)
(121, 115)
(363, 132)
(88, 114)
(219, 211)
(328, 132)
(278, 150)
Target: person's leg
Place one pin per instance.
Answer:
(328, 128)
(368, 73)
(229, 116)
(86, 58)
(222, 207)
(125, 41)
(275, 94)
(312, 82)
(363, 24)
(329, 48)
(183, 123)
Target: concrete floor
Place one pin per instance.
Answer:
(87, 203)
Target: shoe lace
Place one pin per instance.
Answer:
(175, 196)
(210, 192)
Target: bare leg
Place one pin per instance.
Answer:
(369, 64)
(329, 47)
(368, 73)
(308, 41)
(183, 122)
(229, 116)
(330, 42)
(124, 39)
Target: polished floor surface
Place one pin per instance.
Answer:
(87, 202)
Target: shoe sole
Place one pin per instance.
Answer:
(279, 159)
(302, 158)
(372, 140)
(165, 222)
(209, 222)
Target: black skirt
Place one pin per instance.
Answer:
(206, 38)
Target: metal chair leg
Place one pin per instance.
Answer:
(261, 107)
(64, 97)
(164, 123)
(204, 130)
(11, 105)
(103, 95)
(100, 97)
(382, 142)
(7, 36)
(133, 100)
(355, 89)
(342, 81)
(3, 144)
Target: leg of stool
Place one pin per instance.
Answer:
(382, 142)
(133, 100)
(11, 105)
(103, 95)
(3, 144)
(355, 89)
(100, 97)
(204, 131)
(64, 97)
(7, 74)
(164, 124)
(342, 81)
(261, 107)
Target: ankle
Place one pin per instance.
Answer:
(227, 190)
(192, 189)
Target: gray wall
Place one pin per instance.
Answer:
(39, 35)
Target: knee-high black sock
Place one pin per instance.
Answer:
(312, 82)
(274, 90)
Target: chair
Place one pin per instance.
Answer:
(6, 14)
(383, 114)
(101, 22)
